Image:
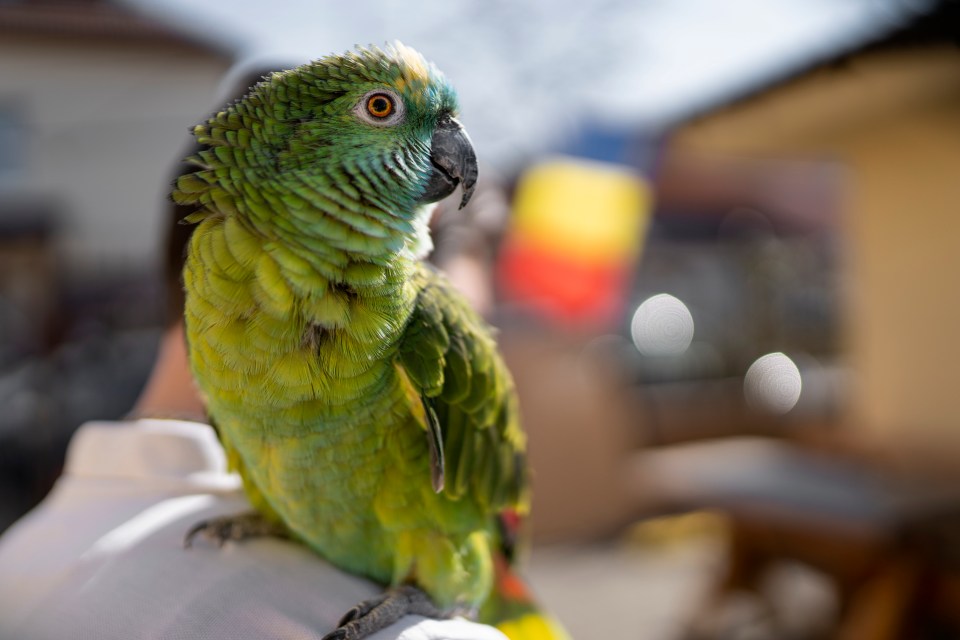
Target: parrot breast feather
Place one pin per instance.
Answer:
(450, 356)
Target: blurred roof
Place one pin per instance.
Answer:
(935, 22)
(940, 24)
(101, 19)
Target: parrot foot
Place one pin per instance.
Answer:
(380, 612)
(236, 527)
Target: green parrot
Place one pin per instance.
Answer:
(359, 397)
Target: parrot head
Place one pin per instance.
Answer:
(373, 128)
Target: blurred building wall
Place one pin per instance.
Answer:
(892, 114)
(100, 103)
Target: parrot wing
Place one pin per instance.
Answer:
(471, 411)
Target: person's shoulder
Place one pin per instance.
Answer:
(110, 522)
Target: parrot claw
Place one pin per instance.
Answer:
(236, 527)
(380, 612)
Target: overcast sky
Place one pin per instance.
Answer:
(528, 71)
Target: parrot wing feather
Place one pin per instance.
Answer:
(437, 460)
(450, 356)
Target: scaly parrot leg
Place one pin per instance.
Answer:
(237, 527)
(375, 614)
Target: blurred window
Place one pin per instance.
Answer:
(12, 144)
(735, 306)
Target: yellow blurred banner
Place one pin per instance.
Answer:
(584, 210)
(577, 230)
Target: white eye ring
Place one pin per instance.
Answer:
(379, 100)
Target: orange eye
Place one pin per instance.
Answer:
(380, 105)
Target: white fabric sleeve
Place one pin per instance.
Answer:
(419, 628)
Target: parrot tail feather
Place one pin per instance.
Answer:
(533, 626)
(512, 609)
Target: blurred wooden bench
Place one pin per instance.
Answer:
(890, 546)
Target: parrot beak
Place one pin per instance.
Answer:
(454, 162)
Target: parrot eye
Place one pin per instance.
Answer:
(380, 108)
(379, 105)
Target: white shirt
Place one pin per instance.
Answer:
(102, 557)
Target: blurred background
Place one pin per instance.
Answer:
(721, 242)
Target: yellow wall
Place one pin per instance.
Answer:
(893, 117)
